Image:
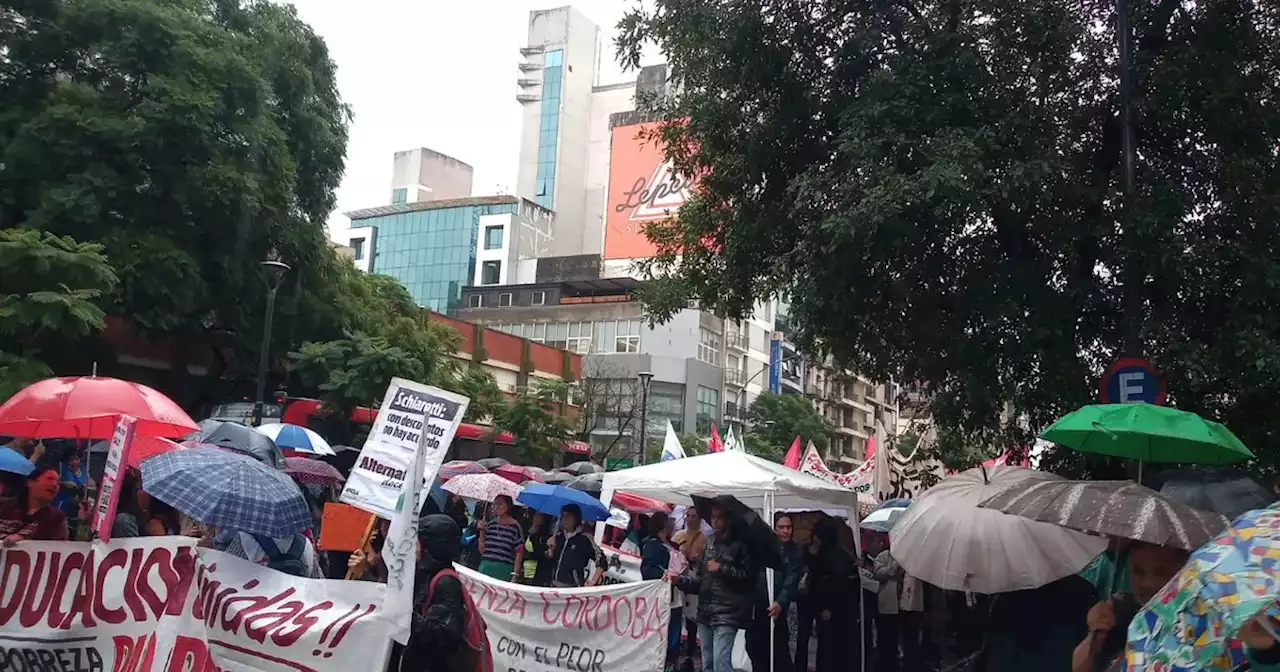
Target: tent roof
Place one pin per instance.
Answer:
(744, 476)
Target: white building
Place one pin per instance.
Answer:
(427, 175)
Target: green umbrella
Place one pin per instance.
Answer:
(1147, 433)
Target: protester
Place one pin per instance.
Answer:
(447, 633)
(72, 483)
(888, 633)
(769, 615)
(294, 555)
(31, 516)
(537, 561)
(133, 514)
(655, 559)
(807, 601)
(501, 542)
(911, 623)
(835, 588)
(691, 541)
(724, 586)
(572, 549)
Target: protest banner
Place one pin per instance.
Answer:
(164, 605)
(104, 513)
(410, 412)
(615, 628)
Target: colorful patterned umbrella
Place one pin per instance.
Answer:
(458, 468)
(1191, 623)
(483, 487)
(312, 472)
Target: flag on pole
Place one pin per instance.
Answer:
(793, 455)
(671, 448)
(731, 441)
(714, 444)
(400, 550)
(871, 448)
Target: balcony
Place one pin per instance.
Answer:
(735, 340)
(528, 98)
(529, 51)
(530, 67)
(735, 377)
(527, 83)
(734, 412)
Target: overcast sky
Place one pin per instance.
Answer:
(434, 74)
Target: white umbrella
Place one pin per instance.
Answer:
(948, 541)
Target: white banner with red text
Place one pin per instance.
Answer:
(164, 605)
(614, 628)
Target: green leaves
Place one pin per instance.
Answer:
(777, 419)
(50, 285)
(536, 418)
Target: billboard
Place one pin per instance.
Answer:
(642, 188)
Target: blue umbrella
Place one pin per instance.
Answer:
(296, 438)
(227, 490)
(549, 499)
(14, 462)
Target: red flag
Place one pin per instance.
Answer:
(871, 448)
(793, 456)
(714, 444)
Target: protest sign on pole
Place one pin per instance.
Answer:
(161, 604)
(411, 413)
(104, 513)
(614, 628)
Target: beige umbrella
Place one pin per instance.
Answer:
(947, 540)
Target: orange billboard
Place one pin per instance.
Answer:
(643, 187)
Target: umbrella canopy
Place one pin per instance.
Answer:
(457, 468)
(549, 499)
(518, 474)
(1120, 509)
(312, 472)
(582, 468)
(1148, 433)
(244, 440)
(557, 477)
(884, 516)
(150, 446)
(298, 439)
(483, 487)
(88, 408)
(228, 491)
(13, 462)
(592, 483)
(1189, 624)
(947, 540)
(637, 504)
(1226, 491)
(762, 542)
(491, 463)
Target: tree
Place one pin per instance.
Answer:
(609, 403)
(935, 186)
(51, 292)
(536, 420)
(486, 397)
(777, 419)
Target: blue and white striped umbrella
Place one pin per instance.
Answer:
(298, 439)
(227, 490)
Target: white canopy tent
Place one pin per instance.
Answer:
(758, 483)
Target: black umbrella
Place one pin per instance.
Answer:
(582, 468)
(558, 477)
(591, 483)
(762, 542)
(492, 463)
(244, 440)
(1229, 492)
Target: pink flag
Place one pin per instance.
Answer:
(714, 444)
(871, 448)
(793, 456)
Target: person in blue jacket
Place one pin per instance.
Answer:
(655, 558)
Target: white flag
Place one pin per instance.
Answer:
(671, 447)
(400, 553)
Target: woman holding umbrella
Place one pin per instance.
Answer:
(501, 542)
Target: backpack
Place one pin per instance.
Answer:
(473, 654)
(289, 562)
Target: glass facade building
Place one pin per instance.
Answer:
(431, 251)
(549, 128)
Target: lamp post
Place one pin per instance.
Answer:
(645, 378)
(275, 272)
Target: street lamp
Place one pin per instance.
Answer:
(274, 272)
(645, 378)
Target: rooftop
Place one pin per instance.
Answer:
(443, 204)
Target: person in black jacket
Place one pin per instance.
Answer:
(655, 559)
(786, 582)
(571, 550)
(834, 591)
(726, 589)
(438, 623)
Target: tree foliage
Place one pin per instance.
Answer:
(609, 402)
(537, 420)
(936, 186)
(777, 419)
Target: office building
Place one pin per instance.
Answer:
(427, 175)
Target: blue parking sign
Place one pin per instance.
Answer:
(1131, 381)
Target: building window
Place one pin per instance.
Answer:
(708, 402)
(628, 336)
(491, 273)
(538, 299)
(549, 128)
(504, 300)
(475, 301)
(357, 244)
(579, 339)
(399, 196)
(708, 346)
(493, 237)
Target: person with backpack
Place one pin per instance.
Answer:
(292, 555)
(448, 632)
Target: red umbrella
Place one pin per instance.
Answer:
(149, 446)
(312, 472)
(457, 468)
(518, 474)
(637, 504)
(88, 408)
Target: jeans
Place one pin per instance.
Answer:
(717, 647)
(673, 631)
